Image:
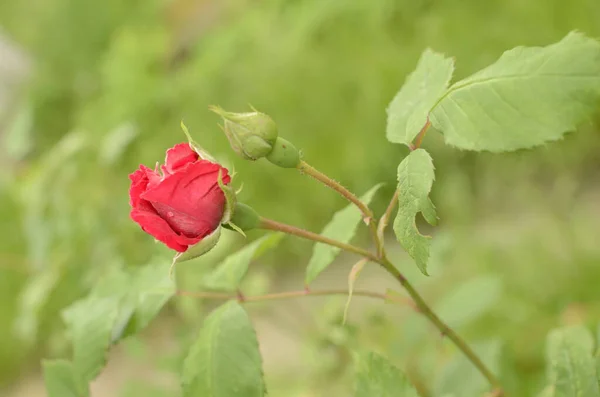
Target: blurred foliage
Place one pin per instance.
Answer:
(112, 79)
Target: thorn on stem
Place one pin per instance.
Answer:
(240, 296)
(495, 393)
(414, 306)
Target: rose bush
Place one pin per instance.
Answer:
(184, 204)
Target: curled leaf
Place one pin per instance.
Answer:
(352, 276)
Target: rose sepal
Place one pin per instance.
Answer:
(203, 154)
(198, 249)
(230, 199)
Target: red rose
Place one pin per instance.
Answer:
(184, 204)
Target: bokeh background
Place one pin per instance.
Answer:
(91, 89)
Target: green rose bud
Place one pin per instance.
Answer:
(251, 135)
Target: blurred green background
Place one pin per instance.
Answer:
(91, 89)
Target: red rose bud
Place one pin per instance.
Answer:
(183, 206)
(251, 135)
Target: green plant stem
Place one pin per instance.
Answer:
(368, 216)
(384, 221)
(291, 295)
(420, 136)
(423, 308)
(381, 258)
(419, 302)
(270, 224)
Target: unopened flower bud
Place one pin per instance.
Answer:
(251, 135)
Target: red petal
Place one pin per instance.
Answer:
(190, 200)
(146, 216)
(154, 225)
(140, 180)
(178, 157)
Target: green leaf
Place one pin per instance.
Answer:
(33, 299)
(141, 296)
(118, 285)
(408, 111)
(342, 228)
(61, 379)
(469, 300)
(376, 376)
(531, 95)
(151, 288)
(119, 305)
(415, 178)
(224, 361)
(229, 274)
(572, 368)
(90, 323)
